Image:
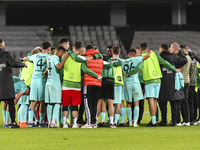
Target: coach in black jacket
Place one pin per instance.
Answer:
(7, 92)
(167, 90)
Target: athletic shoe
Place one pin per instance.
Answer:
(127, 122)
(102, 124)
(130, 124)
(65, 126)
(53, 125)
(139, 122)
(89, 126)
(19, 123)
(42, 125)
(179, 124)
(14, 125)
(95, 125)
(197, 123)
(31, 125)
(23, 124)
(75, 126)
(151, 125)
(163, 124)
(108, 122)
(135, 125)
(112, 126)
(7, 126)
(192, 123)
(186, 124)
(121, 125)
(173, 125)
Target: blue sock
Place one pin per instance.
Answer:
(136, 112)
(56, 111)
(129, 113)
(22, 112)
(8, 117)
(42, 115)
(4, 116)
(49, 112)
(157, 114)
(31, 114)
(103, 116)
(18, 114)
(122, 114)
(25, 113)
(153, 119)
(116, 118)
(35, 113)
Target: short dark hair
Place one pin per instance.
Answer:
(132, 52)
(1, 41)
(90, 46)
(182, 46)
(61, 48)
(46, 45)
(63, 39)
(116, 49)
(77, 45)
(143, 46)
(164, 47)
(109, 47)
(52, 48)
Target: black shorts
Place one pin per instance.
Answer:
(107, 89)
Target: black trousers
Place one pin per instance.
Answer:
(82, 107)
(163, 109)
(11, 109)
(91, 96)
(191, 101)
(185, 110)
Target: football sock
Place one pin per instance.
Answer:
(136, 114)
(22, 112)
(7, 117)
(116, 118)
(70, 114)
(56, 111)
(4, 116)
(111, 120)
(129, 113)
(123, 114)
(26, 114)
(75, 120)
(19, 114)
(35, 114)
(153, 119)
(103, 116)
(49, 112)
(31, 114)
(61, 114)
(64, 119)
(96, 119)
(42, 115)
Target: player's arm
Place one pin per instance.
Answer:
(13, 63)
(88, 71)
(117, 62)
(18, 97)
(147, 55)
(166, 64)
(108, 64)
(60, 65)
(135, 69)
(46, 74)
(76, 57)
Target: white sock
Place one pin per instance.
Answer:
(131, 123)
(102, 121)
(31, 121)
(4, 119)
(54, 121)
(96, 119)
(75, 120)
(135, 122)
(111, 120)
(64, 119)
(49, 122)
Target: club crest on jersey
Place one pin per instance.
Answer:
(2, 66)
(71, 75)
(119, 78)
(155, 73)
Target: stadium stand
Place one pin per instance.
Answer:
(155, 38)
(20, 40)
(100, 36)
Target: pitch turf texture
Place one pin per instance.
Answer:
(102, 138)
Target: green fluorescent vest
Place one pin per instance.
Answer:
(198, 75)
(118, 75)
(72, 70)
(26, 74)
(151, 68)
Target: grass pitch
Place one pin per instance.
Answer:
(102, 138)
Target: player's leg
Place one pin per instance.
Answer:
(4, 107)
(122, 114)
(117, 102)
(65, 114)
(111, 112)
(12, 113)
(136, 113)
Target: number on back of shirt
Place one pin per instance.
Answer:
(128, 68)
(49, 66)
(40, 64)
